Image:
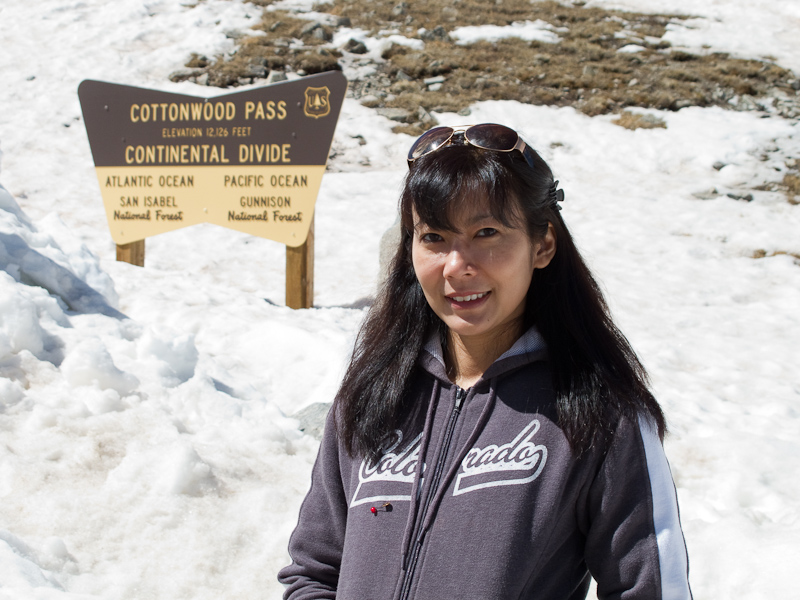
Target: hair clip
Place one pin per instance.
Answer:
(556, 195)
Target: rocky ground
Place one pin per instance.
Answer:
(603, 62)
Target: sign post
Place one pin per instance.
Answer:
(251, 161)
(300, 273)
(132, 253)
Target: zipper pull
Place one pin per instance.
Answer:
(461, 394)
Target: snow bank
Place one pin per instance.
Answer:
(117, 449)
(759, 29)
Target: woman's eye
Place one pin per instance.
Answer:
(431, 238)
(487, 232)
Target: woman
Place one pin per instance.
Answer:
(494, 436)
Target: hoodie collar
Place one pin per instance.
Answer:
(530, 347)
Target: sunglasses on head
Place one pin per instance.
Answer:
(488, 136)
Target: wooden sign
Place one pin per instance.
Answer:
(251, 161)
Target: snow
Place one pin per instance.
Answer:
(148, 447)
(376, 46)
(529, 31)
(759, 29)
(631, 49)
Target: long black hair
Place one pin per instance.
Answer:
(596, 374)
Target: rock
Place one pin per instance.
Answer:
(433, 80)
(721, 94)
(388, 246)
(400, 10)
(403, 76)
(438, 33)
(322, 34)
(309, 28)
(182, 75)
(256, 71)
(436, 67)
(746, 102)
(370, 101)
(424, 117)
(788, 109)
(402, 87)
(198, 61)
(706, 194)
(276, 76)
(312, 418)
(743, 197)
(400, 115)
(450, 13)
(719, 165)
(355, 46)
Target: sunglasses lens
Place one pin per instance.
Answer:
(491, 136)
(430, 141)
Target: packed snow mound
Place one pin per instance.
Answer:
(120, 443)
(34, 258)
(44, 291)
(23, 570)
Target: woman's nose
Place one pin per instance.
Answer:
(458, 262)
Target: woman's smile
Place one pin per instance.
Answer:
(463, 301)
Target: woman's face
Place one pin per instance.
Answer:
(476, 279)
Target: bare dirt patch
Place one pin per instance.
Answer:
(791, 182)
(761, 253)
(591, 67)
(630, 120)
(585, 69)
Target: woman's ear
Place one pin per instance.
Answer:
(545, 250)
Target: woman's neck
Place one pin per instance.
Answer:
(468, 358)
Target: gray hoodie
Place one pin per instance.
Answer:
(480, 497)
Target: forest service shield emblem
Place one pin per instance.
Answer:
(317, 102)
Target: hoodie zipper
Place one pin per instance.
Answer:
(461, 394)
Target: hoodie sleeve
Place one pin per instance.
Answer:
(316, 544)
(635, 547)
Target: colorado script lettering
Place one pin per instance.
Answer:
(391, 479)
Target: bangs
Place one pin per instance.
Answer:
(444, 183)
